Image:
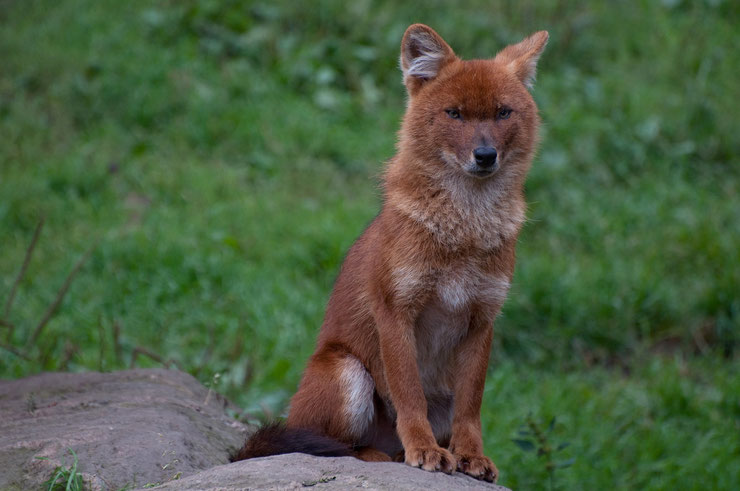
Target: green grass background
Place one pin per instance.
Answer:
(221, 156)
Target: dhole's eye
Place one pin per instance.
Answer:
(503, 113)
(453, 113)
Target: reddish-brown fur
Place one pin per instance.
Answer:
(401, 358)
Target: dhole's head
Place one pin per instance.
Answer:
(471, 118)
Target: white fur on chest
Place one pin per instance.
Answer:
(454, 288)
(458, 287)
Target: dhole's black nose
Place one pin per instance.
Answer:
(485, 156)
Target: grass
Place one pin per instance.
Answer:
(66, 478)
(220, 158)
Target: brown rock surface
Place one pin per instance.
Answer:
(127, 428)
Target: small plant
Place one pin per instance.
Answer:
(65, 478)
(322, 480)
(30, 403)
(211, 386)
(532, 438)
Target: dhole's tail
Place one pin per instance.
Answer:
(276, 438)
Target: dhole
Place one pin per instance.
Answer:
(401, 358)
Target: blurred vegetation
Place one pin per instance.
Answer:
(217, 159)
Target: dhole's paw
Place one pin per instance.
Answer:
(479, 467)
(431, 459)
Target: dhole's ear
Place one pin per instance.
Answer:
(521, 58)
(423, 54)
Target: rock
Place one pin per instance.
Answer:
(129, 428)
(141, 428)
(300, 471)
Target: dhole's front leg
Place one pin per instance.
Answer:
(472, 361)
(398, 353)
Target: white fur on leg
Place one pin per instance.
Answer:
(358, 388)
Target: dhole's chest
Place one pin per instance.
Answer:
(451, 290)
(443, 321)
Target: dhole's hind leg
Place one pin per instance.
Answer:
(335, 397)
(370, 454)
